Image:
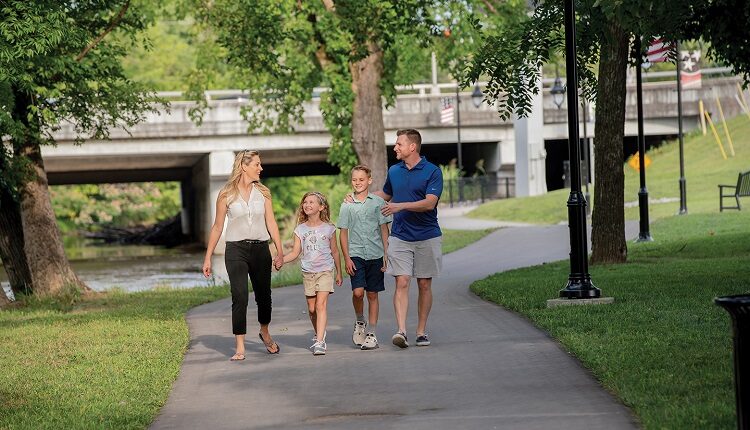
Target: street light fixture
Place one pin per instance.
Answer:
(477, 96)
(558, 91)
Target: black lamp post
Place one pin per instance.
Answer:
(644, 235)
(579, 284)
(458, 129)
(683, 190)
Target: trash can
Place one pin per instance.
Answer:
(739, 308)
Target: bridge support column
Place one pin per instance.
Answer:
(209, 176)
(531, 177)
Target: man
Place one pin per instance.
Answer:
(412, 190)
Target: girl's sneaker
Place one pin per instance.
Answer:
(319, 348)
(315, 340)
(371, 342)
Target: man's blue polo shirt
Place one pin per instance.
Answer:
(404, 185)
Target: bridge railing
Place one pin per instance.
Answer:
(478, 189)
(444, 89)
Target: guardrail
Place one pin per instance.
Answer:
(440, 89)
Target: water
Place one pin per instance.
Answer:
(138, 267)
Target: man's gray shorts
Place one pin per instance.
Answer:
(420, 259)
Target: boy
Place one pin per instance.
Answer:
(364, 243)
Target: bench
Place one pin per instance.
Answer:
(742, 189)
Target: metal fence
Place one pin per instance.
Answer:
(478, 189)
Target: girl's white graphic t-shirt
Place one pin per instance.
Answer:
(316, 247)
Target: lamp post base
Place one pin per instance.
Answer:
(577, 288)
(683, 198)
(644, 237)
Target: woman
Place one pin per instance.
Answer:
(247, 205)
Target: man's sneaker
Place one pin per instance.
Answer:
(358, 337)
(371, 342)
(319, 348)
(399, 339)
(422, 340)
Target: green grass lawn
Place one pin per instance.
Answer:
(108, 360)
(663, 347)
(704, 170)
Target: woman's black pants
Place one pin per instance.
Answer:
(252, 258)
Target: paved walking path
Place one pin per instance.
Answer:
(487, 367)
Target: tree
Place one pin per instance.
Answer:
(605, 32)
(354, 48)
(59, 64)
(348, 46)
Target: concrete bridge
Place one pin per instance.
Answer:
(168, 146)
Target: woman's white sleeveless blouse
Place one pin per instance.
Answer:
(247, 220)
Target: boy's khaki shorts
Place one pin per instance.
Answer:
(318, 281)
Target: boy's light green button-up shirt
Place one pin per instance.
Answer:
(363, 220)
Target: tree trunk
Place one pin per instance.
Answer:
(367, 119)
(4, 301)
(11, 244)
(608, 220)
(50, 269)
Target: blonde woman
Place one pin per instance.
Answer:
(246, 203)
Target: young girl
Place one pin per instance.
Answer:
(315, 238)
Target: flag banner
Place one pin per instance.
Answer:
(690, 74)
(658, 51)
(446, 113)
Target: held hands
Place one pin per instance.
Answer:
(350, 268)
(278, 262)
(339, 279)
(385, 265)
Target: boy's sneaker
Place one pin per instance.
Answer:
(358, 337)
(371, 342)
(399, 339)
(423, 340)
(319, 348)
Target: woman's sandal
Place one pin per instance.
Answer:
(269, 347)
(237, 357)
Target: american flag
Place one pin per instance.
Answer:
(446, 113)
(658, 51)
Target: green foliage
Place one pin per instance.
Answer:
(165, 63)
(60, 64)
(300, 46)
(512, 55)
(120, 205)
